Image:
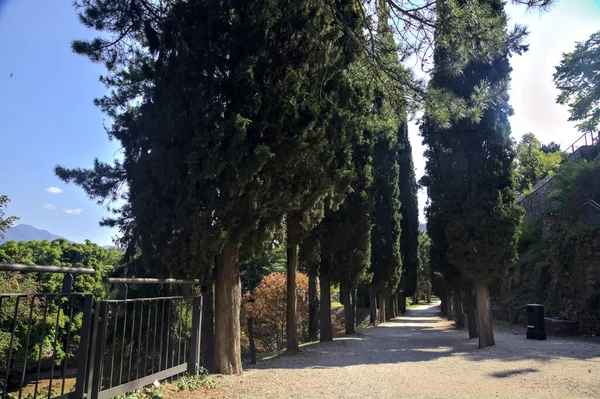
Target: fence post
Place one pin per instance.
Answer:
(193, 365)
(84, 347)
(97, 351)
(122, 295)
(67, 284)
(251, 337)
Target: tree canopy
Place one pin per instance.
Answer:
(477, 206)
(532, 162)
(6, 222)
(409, 209)
(577, 77)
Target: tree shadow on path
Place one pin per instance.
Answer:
(421, 335)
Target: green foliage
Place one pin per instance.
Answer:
(195, 382)
(530, 233)
(409, 209)
(59, 252)
(532, 162)
(5, 222)
(551, 147)
(472, 164)
(386, 262)
(424, 270)
(268, 135)
(577, 80)
(578, 182)
(254, 270)
(386, 125)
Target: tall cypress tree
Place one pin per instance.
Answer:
(474, 162)
(387, 116)
(409, 208)
(352, 225)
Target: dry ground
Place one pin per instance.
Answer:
(423, 355)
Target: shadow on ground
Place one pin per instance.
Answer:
(422, 335)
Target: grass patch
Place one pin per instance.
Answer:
(168, 389)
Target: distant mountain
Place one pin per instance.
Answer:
(109, 247)
(25, 232)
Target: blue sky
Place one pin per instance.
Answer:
(48, 116)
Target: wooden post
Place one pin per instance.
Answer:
(251, 337)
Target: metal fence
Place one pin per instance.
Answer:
(587, 139)
(589, 212)
(68, 345)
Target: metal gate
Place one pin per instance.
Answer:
(97, 349)
(137, 341)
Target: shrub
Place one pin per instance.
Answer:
(267, 305)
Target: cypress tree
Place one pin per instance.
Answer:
(386, 262)
(474, 163)
(309, 256)
(409, 209)
(352, 225)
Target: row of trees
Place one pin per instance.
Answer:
(241, 122)
(474, 173)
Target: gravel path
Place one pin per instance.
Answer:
(423, 355)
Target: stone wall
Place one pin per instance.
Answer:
(535, 203)
(559, 269)
(566, 280)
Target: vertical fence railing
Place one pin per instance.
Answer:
(40, 352)
(141, 340)
(587, 139)
(66, 345)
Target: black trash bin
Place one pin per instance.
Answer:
(535, 322)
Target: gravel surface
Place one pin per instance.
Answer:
(423, 355)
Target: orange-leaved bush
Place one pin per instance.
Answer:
(267, 305)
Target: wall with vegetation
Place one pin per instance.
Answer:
(559, 255)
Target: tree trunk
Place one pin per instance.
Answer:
(484, 316)
(373, 305)
(471, 318)
(396, 311)
(402, 302)
(313, 305)
(207, 333)
(443, 305)
(459, 317)
(449, 313)
(429, 294)
(389, 308)
(325, 311)
(415, 298)
(348, 310)
(292, 266)
(228, 296)
(382, 310)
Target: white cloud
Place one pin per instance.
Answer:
(50, 206)
(76, 211)
(53, 190)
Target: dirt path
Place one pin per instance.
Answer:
(422, 355)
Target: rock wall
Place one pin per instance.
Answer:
(564, 277)
(558, 266)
